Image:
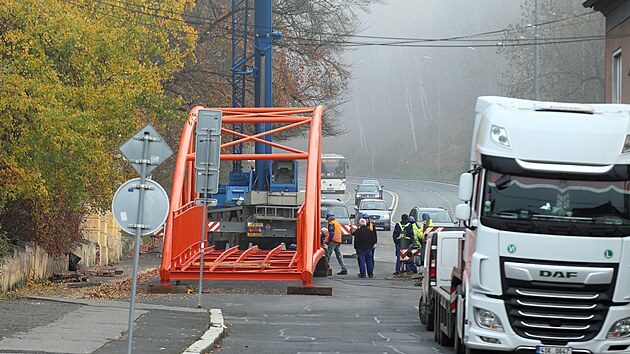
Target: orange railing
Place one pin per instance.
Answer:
(182, 248)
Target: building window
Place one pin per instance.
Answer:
(616, 77)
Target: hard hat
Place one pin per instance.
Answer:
(425, 216)
(411, 219)
(324, 230)
(365, 215)
(329, 214)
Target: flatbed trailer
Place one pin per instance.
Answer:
(436, 300)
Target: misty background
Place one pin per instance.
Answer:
(409, 111)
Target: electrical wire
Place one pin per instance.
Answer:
(400, 41)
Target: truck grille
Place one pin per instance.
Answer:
(557, 312)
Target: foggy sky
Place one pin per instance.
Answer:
(400, 96)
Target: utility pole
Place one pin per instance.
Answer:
(536, 53)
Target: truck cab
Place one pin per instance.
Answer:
(547, 215)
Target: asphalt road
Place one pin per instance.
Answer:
(378, 315)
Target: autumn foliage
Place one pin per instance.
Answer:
(77, 79)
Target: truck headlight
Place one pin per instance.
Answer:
(500, 135)
(626, 145)
(488, 319)
(620, 329)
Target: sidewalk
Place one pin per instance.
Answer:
(64, 322)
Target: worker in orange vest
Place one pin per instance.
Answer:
(334, 241)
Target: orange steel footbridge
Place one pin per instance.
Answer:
(181, 255)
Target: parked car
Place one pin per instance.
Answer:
(376, 183)
(366, 191)
(439, 215)
(380, 214)
(342, 215)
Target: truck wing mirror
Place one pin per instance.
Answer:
(465, 187)
(462, 212)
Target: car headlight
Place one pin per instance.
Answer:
(386, 216)
(620, 329)
(487, 319)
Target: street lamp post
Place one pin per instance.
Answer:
(439, 123)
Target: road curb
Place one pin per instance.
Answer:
(211, 337)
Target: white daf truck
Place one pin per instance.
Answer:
(546, 255)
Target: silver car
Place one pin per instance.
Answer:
(339, 209)
(380, 214)
(366, 191)
(376, 183)
(439, 215)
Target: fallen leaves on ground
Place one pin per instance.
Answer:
(111, 288)
(120, 289)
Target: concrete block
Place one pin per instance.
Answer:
(309, 290)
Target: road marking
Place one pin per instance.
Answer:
(396, 350)
(377, 320)
(393, 206)
(387, 339)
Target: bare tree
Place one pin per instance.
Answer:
(308, 69)
(571, 53)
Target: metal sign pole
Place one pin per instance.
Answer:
(145, 149)
(143, 160)
(205, 216)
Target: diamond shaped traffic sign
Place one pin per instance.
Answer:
(157, 150)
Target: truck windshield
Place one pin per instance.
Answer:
(556, 206)
(333, 168)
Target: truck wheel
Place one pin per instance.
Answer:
(421, 315)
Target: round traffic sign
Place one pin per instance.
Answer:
(125, 206)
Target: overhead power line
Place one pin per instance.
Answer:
(469, 40)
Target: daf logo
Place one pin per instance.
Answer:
(558, 274)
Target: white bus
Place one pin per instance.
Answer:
(333, 173)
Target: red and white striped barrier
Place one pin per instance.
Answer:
(409, 253)
(214, 226)
(431, 229)
(347, 229)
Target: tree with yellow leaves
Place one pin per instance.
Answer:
(77, 78)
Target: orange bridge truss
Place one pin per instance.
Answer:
(181, 255)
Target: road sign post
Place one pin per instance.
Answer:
(208, 137)
(145, 151)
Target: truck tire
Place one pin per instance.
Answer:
(421, 314)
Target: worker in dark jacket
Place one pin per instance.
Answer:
(398, 235)
(363, 243)
(372, 228)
